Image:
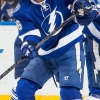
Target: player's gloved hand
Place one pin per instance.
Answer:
(29, 50)
(86, 13)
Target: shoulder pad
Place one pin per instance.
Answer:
(23, 4)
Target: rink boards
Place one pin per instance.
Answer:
(8, 33)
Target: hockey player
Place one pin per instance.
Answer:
(62, 53)
(93, 67)
(92, 50)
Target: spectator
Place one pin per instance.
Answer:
(13, 2)
(6, 11)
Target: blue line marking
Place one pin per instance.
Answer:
(1, 50)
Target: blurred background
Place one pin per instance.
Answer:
(6, 9)
(13, 2)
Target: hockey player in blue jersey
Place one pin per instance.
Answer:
(92, 50)
(62, 53)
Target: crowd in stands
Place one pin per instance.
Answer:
(6, 9)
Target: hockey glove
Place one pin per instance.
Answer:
(86, 13)
(29, 50)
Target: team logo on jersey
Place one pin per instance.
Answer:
(17, 8)
(19, 25)
(54, 19)
(45, 6)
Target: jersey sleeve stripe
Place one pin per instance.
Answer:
(63, 41)
(94, 30)
(32, 32)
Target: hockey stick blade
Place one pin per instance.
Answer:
(39, 44)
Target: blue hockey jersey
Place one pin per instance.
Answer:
(36, 20)
(93, 29)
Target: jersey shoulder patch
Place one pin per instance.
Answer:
(22, 5)
(17, 8)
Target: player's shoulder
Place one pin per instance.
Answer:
(22, 7)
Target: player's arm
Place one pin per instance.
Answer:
(95, 4)
(86, 12)
(27, 31)
(93, 29)
(29, 35)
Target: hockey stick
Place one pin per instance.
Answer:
(39, 44)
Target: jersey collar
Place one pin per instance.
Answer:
(37, 3)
